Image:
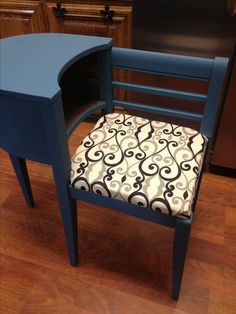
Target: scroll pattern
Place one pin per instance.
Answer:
(149, 163)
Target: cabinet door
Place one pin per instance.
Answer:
(20, 18)
(87, 20)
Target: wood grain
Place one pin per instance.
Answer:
(18, 18)
(125, 263)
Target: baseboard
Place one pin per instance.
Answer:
(223, 171)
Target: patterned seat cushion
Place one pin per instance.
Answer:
(149, 163)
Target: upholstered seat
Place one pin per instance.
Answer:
(149, 163)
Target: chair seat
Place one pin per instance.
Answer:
(148, 163)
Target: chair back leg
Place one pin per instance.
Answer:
(21, 171)
(181, 238)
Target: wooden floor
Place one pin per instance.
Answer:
(125, 263)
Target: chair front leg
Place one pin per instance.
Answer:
(68, 209)
(21, 171)
(181, 238)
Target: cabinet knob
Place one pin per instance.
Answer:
(107, 14)
(59, 11)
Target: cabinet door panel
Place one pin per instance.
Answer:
(20, 18)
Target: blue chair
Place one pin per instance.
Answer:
(146, 168)
(149, 169)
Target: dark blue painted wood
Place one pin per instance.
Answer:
(21, 129)
(21, 171)
(32, 65)
(181, 238)
(124, 207)
(105, 92)
(105, 79)
(213, 102)
(55, 128)
(162, 63)
(152, 90)
(98, 106)
(210, 70)
(32, 124)
(159, 110)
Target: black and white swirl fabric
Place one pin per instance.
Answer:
(149, 163)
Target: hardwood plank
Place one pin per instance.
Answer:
(49, 293)
(5, 176)
(221, 302)
(230, 215)
(16, 285)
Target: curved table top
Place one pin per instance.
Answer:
(31, 65)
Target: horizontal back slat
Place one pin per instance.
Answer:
(159, 110)
(160, 91)
(155, 62)
(211, 70)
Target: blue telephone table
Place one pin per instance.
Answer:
(32, 122)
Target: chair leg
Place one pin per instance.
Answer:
(181, 238)
(21, 171)
(69, 216)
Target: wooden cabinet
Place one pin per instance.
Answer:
(18, 17)
(81, 17)
(87, 19)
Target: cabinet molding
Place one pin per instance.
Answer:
(21, 18)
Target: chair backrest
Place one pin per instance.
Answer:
(193, 68)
